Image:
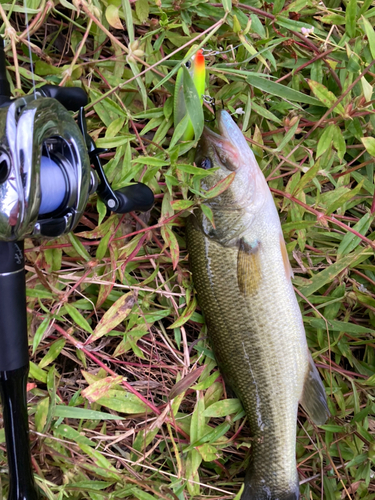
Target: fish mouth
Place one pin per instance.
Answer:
(227, 149)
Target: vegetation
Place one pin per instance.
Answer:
(125, 397)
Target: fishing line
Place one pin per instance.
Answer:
(218, 52)
(30, 53)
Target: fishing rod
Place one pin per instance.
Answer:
(46, 179)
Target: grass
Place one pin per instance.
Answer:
(113, 320)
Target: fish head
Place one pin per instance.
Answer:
(230, 152)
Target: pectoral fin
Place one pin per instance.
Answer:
(314, 399)
(249, 272)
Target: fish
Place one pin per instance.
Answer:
(196, 68)
(243, 279)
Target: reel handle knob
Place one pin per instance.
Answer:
(137, 197)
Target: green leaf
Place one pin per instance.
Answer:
(40, 332)
(182, 204)
(332, 428)
(140, 494)
(197, 420)
(281, 90)
(82, 413)
(52, 353)
(141, 85)
(288, 137)
(208, 213)
(227, 4)
(67, 432)
(369, 30)
(112, 142)
(170, 238)
(262, 111)
(37, 373)
(350, 18)
(128, 19)
(350, 241)
(103, 246)
(78, 247)
(306, 178)
(185, 316)
(142, 9)
(252, 50)
(151, 160)
(223, 408)
(326, 97)
(369, 144)
(339, 326)
(122, 401)
(325, 141)
(339, 142)
(41, 414)
(327, 275)
(179, 131)
(115, 315)
(344, 198)
(211, 436)
(78, 318)
(208, 452)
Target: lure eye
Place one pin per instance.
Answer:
(206, 163)
(188, 64)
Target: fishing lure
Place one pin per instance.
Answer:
(196, 68)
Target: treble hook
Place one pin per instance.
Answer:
(210, 101)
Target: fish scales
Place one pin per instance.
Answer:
(242, 279)
(260, 366)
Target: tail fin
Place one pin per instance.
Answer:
(270, 488)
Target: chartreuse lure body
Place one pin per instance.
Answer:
(196, 68)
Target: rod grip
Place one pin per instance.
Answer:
(14, 352)
(16, 425)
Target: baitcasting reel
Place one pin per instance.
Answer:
(45, 173)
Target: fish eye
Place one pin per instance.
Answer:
(206, 163)
(188, 64)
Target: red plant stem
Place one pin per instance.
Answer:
(341, 370)
(128, 387)
(135, 251)
(96, 242)
(322, 217)
(154, 237)
(314, 59)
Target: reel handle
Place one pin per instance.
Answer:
(72, 98)
(137, 197)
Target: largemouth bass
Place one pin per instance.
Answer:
(242, 276)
